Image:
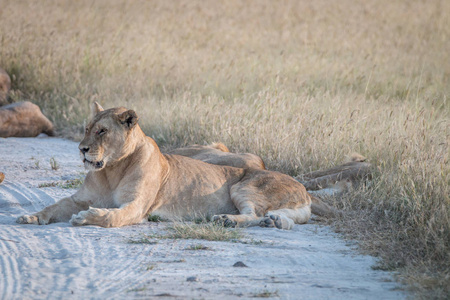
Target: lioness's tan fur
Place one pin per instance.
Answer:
(129, 178)
(23, 119)
(5, 87)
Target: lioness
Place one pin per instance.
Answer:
(23, 119)
(334, 181)
(129, 178)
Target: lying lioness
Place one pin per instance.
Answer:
(325, 183)
(129, 178)
(219, 154)
(23, 119)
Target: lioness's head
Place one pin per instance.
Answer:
(107, 136)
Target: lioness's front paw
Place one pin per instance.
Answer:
(93, 216)
(33, 219)
(79, 219)
(26, 219)
(224, 220)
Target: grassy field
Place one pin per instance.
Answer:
(301, 83)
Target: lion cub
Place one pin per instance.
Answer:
(129, 178)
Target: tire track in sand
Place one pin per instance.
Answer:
(17, 198)
(11, 286)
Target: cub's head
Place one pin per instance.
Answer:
(108, 136)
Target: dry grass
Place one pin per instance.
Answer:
(205, 231)
(208, 231)
(301, 83)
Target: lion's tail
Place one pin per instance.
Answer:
(320, 208)
(220, 146)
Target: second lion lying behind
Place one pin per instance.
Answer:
(129, 178)
(333, 181)
(218, 154)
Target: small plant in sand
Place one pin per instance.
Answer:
(197, 247)
(265, 294)
(54, 164)
(149, 240)
(36, 163)
(72, 183)
(140, 289)
(154, 218)
(68, 184)
(47, 184)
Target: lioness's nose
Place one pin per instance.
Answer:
(84, 149)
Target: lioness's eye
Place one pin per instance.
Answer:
(101, 131)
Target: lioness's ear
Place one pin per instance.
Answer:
(128, 118)
(95, 109)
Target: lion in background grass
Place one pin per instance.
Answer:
(130, 178)
(319, 184)
(24, 119)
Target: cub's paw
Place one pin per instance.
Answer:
(33, 219)
(224, 220)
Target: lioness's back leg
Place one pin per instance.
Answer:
(284, 218)
(247, 213)
(260, 192)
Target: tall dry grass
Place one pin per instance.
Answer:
(301, 83)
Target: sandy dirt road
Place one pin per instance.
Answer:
(61, 261)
